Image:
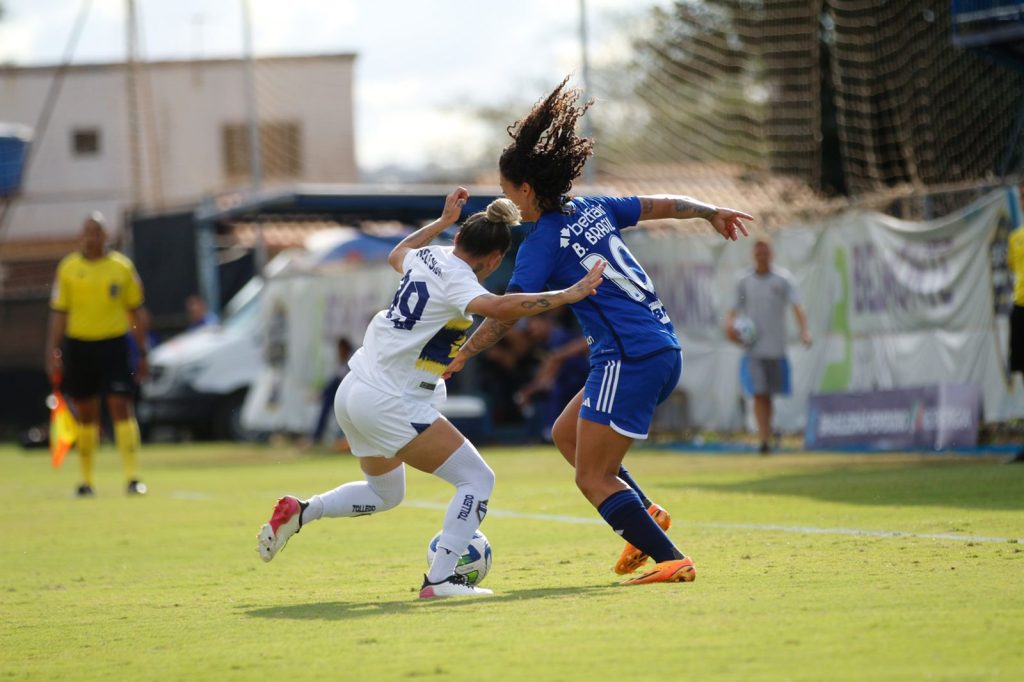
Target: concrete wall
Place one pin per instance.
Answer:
(183, 109)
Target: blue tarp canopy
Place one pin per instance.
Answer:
(14, 142)
(362, 247)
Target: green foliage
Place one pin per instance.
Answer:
(170, 586)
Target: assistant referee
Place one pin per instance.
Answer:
(96, 302)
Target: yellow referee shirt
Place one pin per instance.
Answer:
(96, 295)
(1016, 262)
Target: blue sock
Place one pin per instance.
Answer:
(628, 480)
(624, 512)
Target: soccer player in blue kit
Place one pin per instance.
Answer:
(635, 357)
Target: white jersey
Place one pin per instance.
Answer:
(408, 346)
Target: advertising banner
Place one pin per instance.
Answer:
(890, 304)
(924, 418)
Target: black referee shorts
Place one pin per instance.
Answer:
(93, 368)
(1017, 339)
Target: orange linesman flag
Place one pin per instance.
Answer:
(63, 426)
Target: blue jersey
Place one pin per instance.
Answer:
(624, 319)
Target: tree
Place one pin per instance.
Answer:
(728, 81)
(849, 97)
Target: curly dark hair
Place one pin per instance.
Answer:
(546, 151)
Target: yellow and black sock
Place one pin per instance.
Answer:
(88, 439)
(126, 436)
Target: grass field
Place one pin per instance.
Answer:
(810, 567)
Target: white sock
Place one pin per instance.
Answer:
(473, 481)
(359, 498)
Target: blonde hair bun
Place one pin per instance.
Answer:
(503, 211)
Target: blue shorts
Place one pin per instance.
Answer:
(765, 376)
(624, 393)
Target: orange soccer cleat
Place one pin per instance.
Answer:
(633, 558)
(673, 571)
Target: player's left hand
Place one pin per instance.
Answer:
(456, 365)
(728, 222)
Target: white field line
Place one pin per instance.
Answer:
(804, 530)
(190, 495)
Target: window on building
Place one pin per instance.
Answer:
(280, 147)
(85, 141)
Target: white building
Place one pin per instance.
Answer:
(187, 136)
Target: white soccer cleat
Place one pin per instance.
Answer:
(284, 523)
(454, 585)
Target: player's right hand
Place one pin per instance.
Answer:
(728, 222)
(589, 284)
(453, 205)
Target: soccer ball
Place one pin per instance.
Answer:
(474, 564)
(746, 330)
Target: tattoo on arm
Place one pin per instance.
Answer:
(487, 334)
(700, 210)
(681, 207)
(646, 207)
(541, 302)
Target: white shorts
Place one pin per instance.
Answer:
(377, 424)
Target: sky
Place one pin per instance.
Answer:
(421, 67)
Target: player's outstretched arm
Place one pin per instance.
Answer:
(453, 204)
(503, 311)
(727, 222)
(511, 307)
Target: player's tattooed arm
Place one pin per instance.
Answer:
(503, 311)
(542, 302)
(685, 206)
(486, 335)
(511, 307)
(672, 206)
(727, 222)
(646, 207)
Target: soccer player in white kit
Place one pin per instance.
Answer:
(386, 405)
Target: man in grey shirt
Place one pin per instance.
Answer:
(758, 322)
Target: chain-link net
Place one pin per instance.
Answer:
(839, 97)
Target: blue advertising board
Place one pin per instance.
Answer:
(933, 417)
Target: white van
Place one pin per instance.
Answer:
(216, 380)
(198, 379)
